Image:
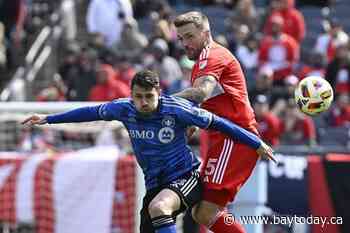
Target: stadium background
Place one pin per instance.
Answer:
(53, 58)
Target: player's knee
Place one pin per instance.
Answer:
(159, 208)
(203, 215)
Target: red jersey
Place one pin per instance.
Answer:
(230, 97)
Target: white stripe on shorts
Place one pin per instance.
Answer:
(189, 185)
(223, 161)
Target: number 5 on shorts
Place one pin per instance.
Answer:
(210, 169)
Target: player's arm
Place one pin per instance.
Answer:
(207, 120)
(236, 132)
(84, 114)
(201, 90)
(107, 112)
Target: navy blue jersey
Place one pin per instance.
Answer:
(159, 141)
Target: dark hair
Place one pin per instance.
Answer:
(146, 79)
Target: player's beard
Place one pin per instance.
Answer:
(146, 113)
(193, 54)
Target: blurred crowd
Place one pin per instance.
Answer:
(100, 56)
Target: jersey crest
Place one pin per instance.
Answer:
(202, 64)
(166, 135)
(168, 121)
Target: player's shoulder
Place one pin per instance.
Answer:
(216, 53)
(121, 103)
(173, 104)
(217, 48)
(116, 109)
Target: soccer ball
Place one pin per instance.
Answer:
(313, 95)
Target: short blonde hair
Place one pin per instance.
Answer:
(197, 18)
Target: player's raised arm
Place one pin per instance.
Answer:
(84, 114)
(202, 89)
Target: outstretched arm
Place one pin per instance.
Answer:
(84, 114)
(207, 120)
(234, 131)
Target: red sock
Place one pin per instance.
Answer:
(226, 224)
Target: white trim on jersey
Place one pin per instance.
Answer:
(204, 54)
(177, 106)
(122, 100)
(180, 101)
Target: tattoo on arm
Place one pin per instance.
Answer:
(201, 90)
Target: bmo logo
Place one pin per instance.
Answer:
(166, 135)
(141, 134)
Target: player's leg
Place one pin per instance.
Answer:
(226, 169)
(174, 199)
(216, 218)
(161, 209)
(146, 221)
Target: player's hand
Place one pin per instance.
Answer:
(266, 152)
(34, 120)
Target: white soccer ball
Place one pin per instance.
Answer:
(313, 95)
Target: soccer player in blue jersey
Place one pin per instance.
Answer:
(157, 127)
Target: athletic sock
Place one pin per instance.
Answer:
(164, 224)
(167, 229)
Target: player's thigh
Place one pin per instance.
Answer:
(164, 203)
(146, 222)
(226, 169)
(189, 189)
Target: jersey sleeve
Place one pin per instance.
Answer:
(196, 116)
(111, 111)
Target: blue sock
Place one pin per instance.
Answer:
(164, 224)
(168, 229)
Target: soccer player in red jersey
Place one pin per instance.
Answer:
(219, 85)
